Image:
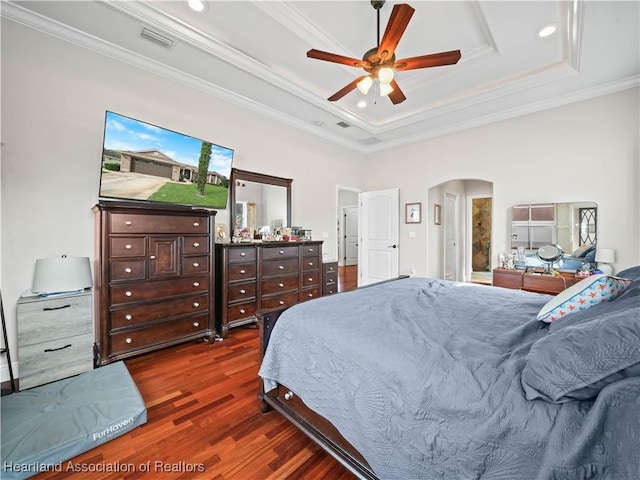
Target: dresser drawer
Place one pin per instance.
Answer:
(195, 264)
(279, 301)
(127, 269)
(130, 316)
(330, 268)
(241, 291)
(311, 250)
(311, 279)
(310, 263)
(53, 319)
(282, 267)
(148, 223)
(279, 285)
(135, 292)
(157, 333)
(269, 253)
(242, 253)
(195, 245)
(127, 246)
(309, 294)
(55, 359)
(241, 271)
(242, 310)
(329, 289)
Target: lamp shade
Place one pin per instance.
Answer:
(605, 255)
(60, 275)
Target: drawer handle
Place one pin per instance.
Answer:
(127, 270)
(128, 246)
(46, 309)
(311, 264)
(242, 290)
(128, 223)
(281, 267)
(152, 257)
(128, 293)
(330, 291)
(196, 264)
(310, 279)
(196, 304)
(288, 395)
(281, 285)
(309, 295)
(196, 284)
(243, 271)
(47, 350)
(196, 244)
(242, 310)
(196, 324)
(242, 254)
(281, 302)
(311, 249)
(128, 340)
(196, 224)
(331, 280)
(128, 316)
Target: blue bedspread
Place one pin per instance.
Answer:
(423, 377)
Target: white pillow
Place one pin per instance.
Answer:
(586, 293)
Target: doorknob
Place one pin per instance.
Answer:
(393, 246)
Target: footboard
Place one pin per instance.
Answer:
(313, 425)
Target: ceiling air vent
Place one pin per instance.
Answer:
(156, 38)
(370, 140)
(343, 124)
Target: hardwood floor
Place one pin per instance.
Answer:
(205, 422)
(347, 278)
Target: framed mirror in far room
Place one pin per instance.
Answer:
(258, 201)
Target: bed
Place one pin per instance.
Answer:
(421, 378)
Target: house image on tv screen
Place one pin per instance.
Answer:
(154, 162)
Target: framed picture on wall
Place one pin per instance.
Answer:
(413, 213)
(437, 214)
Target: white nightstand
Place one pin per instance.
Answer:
(55, 337)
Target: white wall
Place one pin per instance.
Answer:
(585, 151)
(54, 97)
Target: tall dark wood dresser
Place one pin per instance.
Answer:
(154, 278)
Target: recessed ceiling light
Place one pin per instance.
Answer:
(362, 104)
(197, 5)
(318, 123)
(548, 30)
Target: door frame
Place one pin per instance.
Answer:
(338, 219)
(447, 224)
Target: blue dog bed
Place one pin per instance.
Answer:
(44, 426)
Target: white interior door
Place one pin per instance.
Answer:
(379, 233)
(450, 237)
(350, 217)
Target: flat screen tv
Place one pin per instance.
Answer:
(145, 163)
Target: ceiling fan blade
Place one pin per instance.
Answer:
(332, 57)
(396, 96)
(398, 22)
(342, 92)
(424, 61)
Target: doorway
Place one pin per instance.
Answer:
(481, 216)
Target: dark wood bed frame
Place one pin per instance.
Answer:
(319, 429)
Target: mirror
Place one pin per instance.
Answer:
(569, 225)
(259, 201)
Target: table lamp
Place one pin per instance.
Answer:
(61, 275)
(604, 257)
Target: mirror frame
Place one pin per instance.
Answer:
(244, 175)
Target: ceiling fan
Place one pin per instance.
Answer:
(380, 62)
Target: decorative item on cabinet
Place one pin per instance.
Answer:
(263, 276)
(154, 278)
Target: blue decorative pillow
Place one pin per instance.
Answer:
(585, 353)
(586, 293)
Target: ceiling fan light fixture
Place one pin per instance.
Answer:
(385, 89)
(365, 84)
(385, 75)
